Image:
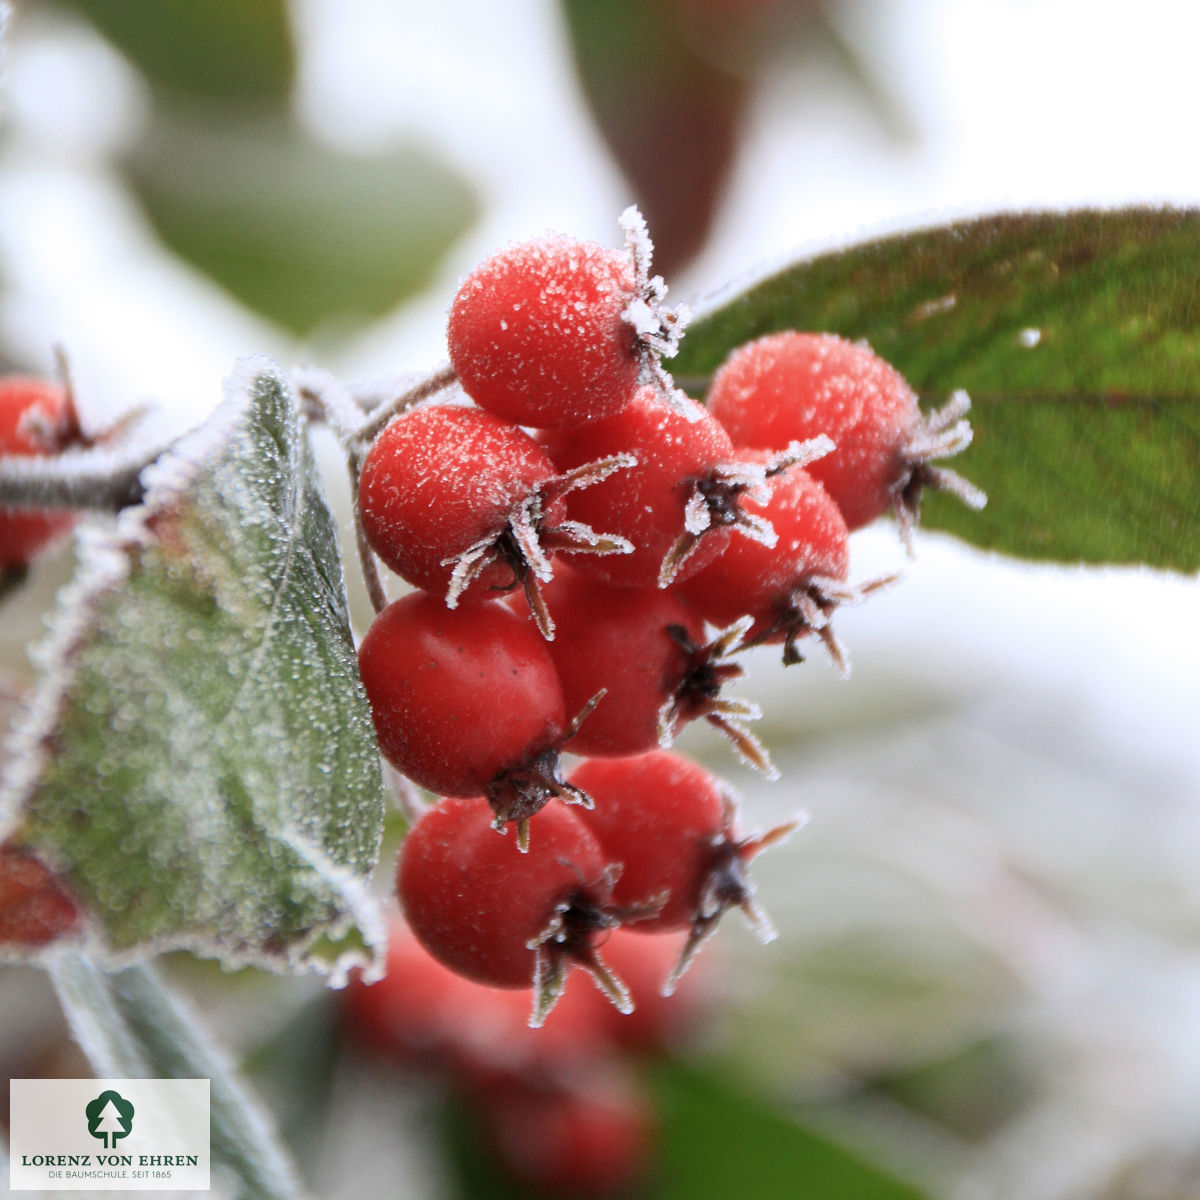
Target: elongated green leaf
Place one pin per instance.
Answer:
(299, 232)
(200, 762)
(720, 1142)
(1077, 335)
(215, 50)
(131, 1026)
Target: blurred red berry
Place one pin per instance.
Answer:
(34, 907)
(36, 418)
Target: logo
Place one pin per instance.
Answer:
(109, 1118)
(108, 1135)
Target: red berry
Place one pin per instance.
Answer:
(439, 480)
(502, 918)
(537, 332)
(36, 418)
(791, 589)
(466, 701)
(670, 824)
(792, 386)
(462, 503)
(676, 506)
(645, 648)
(591, 1137)
(415, 1010)
(34, 908)
(422, 1011)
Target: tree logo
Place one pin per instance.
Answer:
(109, 1117)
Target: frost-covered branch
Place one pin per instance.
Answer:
(96, 478)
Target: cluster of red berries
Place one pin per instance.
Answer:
(562, 1109)
(692, 532)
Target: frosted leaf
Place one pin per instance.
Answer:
(199, 763)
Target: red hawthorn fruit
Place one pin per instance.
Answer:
(670, 824)
(506, 919)
(791, 386)
(593, 1136)
(676, 506)
(34, 908)
(537, 332)
(467, 701)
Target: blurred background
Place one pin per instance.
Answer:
(987, 980)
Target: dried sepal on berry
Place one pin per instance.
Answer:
(727, 885)
(659, 327)
(567, 941)
(942, 434)
(715, 500)
(524, 790)
(700, 695)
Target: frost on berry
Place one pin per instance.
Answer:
(794, 385)
(536, 332)
(459, 501)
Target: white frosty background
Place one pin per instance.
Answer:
(1006, 796)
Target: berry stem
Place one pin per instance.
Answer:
(436, 381)
(96, 478)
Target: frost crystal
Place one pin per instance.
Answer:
(659, 327)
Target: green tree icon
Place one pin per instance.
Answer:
(109, 1117)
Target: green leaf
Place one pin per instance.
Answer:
(200, 762)
(719, 1142)
(130, 1026)
(300, 232)
(1077, 335)
(226, 50)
